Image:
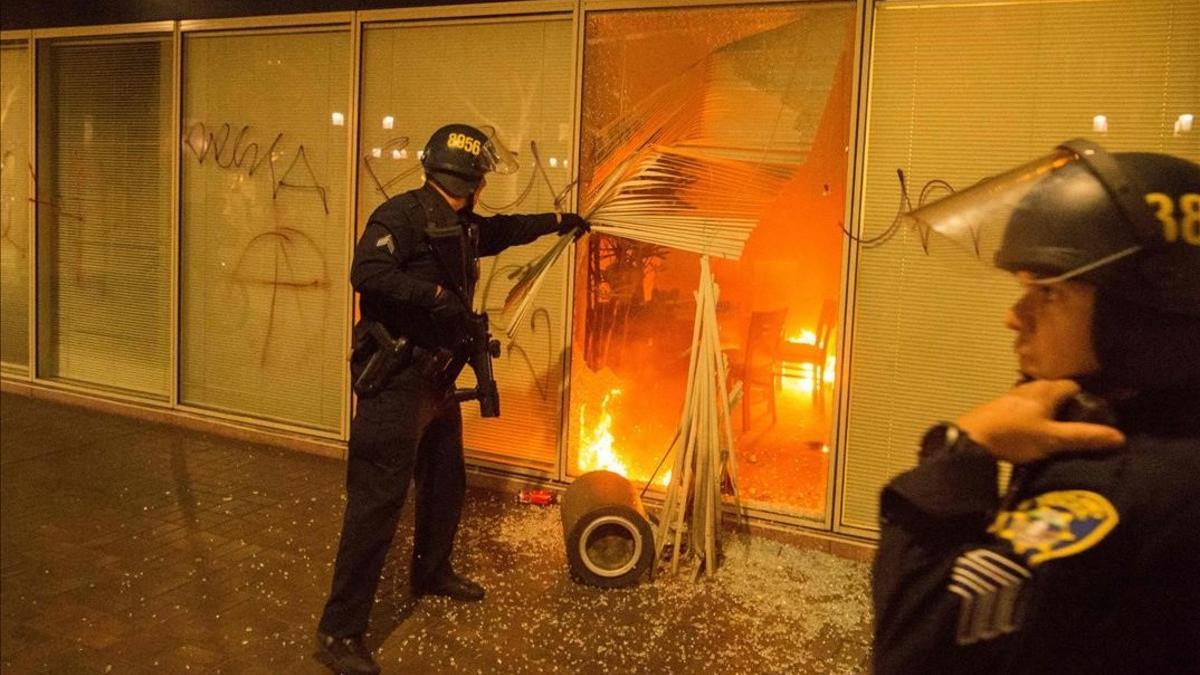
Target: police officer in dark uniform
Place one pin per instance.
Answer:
(1090, 561)
(414, 269)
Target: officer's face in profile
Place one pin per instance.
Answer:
(1053, 323)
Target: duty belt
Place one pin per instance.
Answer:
(392, 355)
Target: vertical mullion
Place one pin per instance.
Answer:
(852, 209)
(352, 164)
(578, 28)
(176, 237)
(32, 213)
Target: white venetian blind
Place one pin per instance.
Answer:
(960, 91)
(263, 314)
(15, 99)
(516, 76)
(104, 220)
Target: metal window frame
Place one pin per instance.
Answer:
(260, 25)
(619, 5)
(859, 108)
(106, 34)
(521, 9)
(829, 519)
(13, 370)
(499, 13)
(104, 31)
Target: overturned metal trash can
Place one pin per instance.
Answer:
(609, 540)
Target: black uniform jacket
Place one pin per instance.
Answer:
(396, 273)
(1090, 564)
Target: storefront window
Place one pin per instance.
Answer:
(263, 247)
(757, 102)
(14, 206)
(104, 212)
(515, 76)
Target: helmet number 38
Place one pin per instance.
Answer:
(1178, 223)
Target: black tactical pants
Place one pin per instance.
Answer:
(411, 430)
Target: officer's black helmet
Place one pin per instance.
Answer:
(458, 155)
(1127, 222)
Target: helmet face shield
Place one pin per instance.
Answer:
(1124, 222)
(1052, 216)
(494, 155)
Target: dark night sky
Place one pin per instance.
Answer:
(24, 14)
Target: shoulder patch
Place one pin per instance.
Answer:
(386, 242)
(1056, 524)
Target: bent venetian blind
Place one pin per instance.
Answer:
(960, 91)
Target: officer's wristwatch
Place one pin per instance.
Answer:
(943, 438)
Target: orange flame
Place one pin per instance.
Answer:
(801, 377)
(597, 445)
(806, 337)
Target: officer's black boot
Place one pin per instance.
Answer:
(346, 654)
(450, 585)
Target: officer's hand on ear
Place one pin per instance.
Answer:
(1019, 427)
(573, 221)
(447, 309)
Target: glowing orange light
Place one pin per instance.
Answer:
(801, 377)
(799, 381)
(597, 445)
(806, 337)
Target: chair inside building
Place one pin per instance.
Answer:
(793, 355)
(759, 365)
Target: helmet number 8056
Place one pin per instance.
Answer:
(1186, 224)
(464, 143)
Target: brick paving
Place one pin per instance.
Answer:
(132, 547)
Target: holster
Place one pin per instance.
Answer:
(388, 357)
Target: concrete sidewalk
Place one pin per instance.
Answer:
(132, 547)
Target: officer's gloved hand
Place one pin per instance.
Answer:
(448, 310)
(573, 221)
